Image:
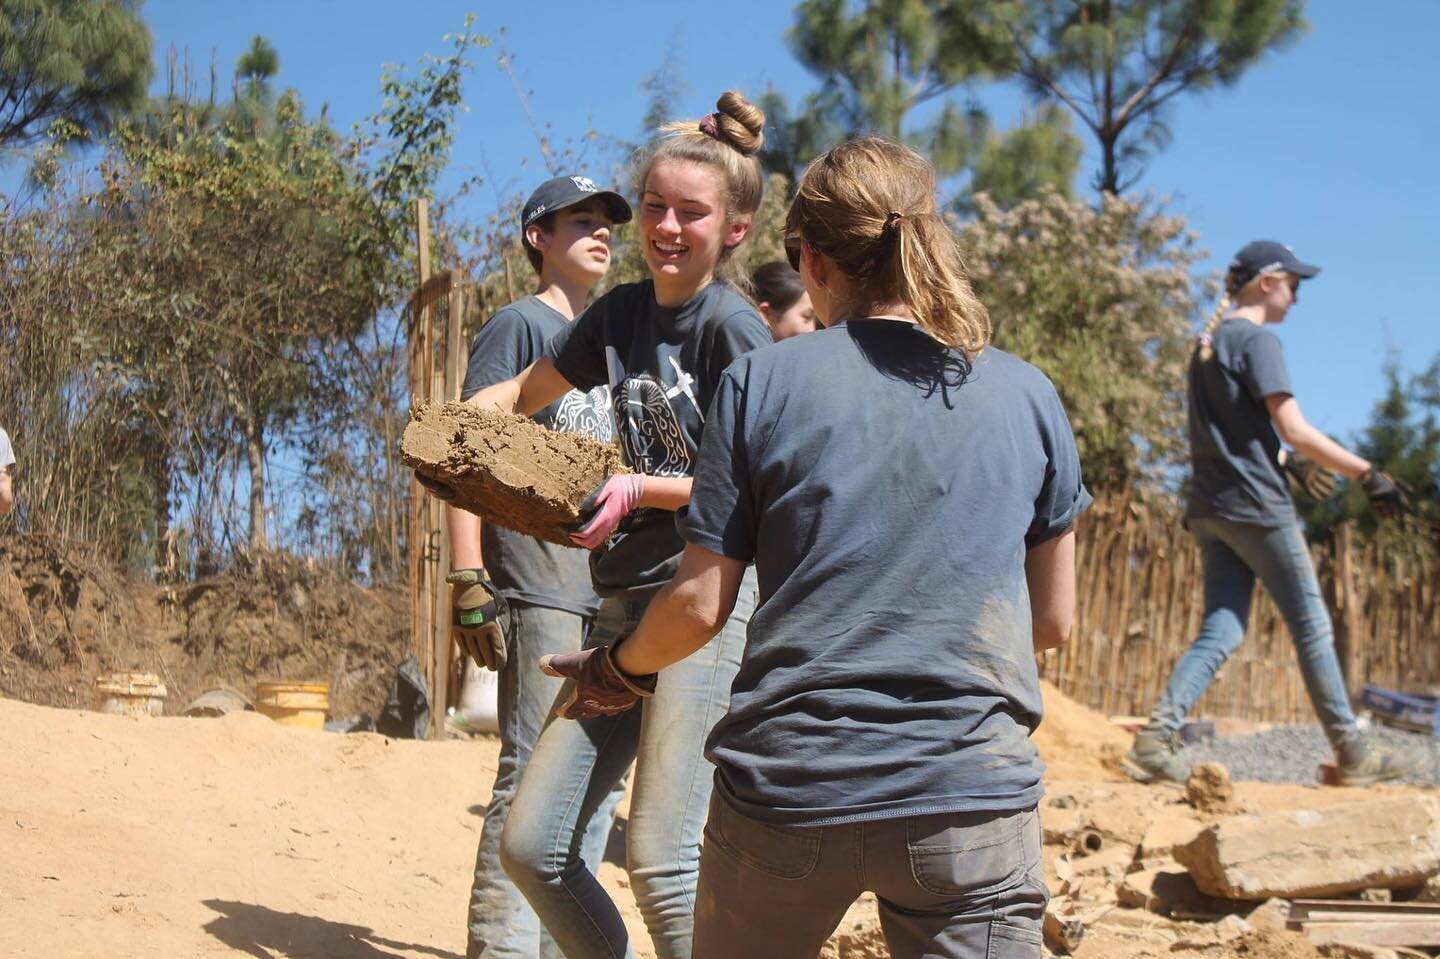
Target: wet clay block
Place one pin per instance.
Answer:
(508, 469)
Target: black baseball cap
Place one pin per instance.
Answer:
(565, 191)
(1267, 256)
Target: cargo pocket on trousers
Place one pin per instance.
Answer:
(1014, 939)
(972, 854)
(786, 852)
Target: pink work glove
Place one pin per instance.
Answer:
(603, 509)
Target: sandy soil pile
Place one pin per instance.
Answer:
(508, 469)
(65, 620)
(239, 837)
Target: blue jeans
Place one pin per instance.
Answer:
(961, 885)
(501, 923)
(577, 763)
(1234, 554)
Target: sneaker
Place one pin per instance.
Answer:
(1364, 762)
(1155, 757)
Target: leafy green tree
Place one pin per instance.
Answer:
(879, 62)
(1102, 300)
(1117, 64)
(86, 62)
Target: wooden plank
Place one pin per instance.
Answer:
(1330, 908)
(1381, 932)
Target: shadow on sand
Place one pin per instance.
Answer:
(270, 934)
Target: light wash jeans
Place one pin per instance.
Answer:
(958, 885)
(1234, 554)
(577, 763)
(501, 923)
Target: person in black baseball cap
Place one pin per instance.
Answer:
(556, 194)
(1242, 409)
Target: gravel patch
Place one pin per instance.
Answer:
(1293, 754)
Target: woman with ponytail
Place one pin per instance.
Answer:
(659, 347)
(907, 494)
(1242, 517)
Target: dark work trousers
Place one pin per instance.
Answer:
(949, 885)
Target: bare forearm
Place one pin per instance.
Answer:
(1310, 442)
(674, 627)
(464, 527)
(7, 495)
(1050, 577)
(666, 492)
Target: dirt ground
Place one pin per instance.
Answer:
(236, 836)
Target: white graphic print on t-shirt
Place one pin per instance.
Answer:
(587, 414)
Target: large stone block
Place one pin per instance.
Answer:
(508, 469)
(1389, 843)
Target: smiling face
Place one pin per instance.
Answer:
(576, 243)
(684, 227)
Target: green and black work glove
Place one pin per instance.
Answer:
(1307, 474)
(597, 686)
(481, 617)
(1389, 497)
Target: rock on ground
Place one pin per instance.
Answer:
(1390, 842)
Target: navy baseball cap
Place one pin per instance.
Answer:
(1267, 256)
(565, 191)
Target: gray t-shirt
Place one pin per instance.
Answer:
(887, 497)
(1234, 450)
(7, 452)
(661, 366)
(526, 569)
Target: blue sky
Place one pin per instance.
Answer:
(1330, 146)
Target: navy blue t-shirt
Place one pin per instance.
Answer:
(661, 365)
(887, 496)
(524, 568)
(1234, 450)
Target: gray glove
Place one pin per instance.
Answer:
(481, 617)
(1389, 497)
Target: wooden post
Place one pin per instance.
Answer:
(1347, 630)
(422, 601)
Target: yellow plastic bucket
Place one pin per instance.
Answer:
(130, 694)
(293, 704)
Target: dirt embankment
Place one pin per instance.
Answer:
(65, 619)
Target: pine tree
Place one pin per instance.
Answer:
(1117, 64)
(79, 62)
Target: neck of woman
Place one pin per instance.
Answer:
(672, 292)
(1253, 312)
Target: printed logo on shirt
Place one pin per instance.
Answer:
(650, 434)
(587, 414)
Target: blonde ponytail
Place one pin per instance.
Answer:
(869, 205)
(1205, 342)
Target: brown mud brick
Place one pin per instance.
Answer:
(1167, 889)
(1385, 843)
(1209, 789)
(508, 469)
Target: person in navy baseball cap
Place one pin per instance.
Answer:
(1248, 443)
(1265, 256)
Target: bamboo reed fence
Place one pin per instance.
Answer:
(1140, 601)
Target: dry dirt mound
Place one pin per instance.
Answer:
(65, 619)
(1076, 742)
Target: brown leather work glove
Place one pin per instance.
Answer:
(1307, 474)
(597, 687)
(480, 617)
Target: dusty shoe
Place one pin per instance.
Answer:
(1364, 762)
(1155, 757)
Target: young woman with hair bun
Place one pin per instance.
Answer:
(907, 494)
(660, 346)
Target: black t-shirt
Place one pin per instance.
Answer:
(661, 365)
(887, 497)
(526, 569)
(1234, 450)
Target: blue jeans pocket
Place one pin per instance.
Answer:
(972, 854)
(786, 852)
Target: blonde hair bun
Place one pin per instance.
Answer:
(740, 122)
